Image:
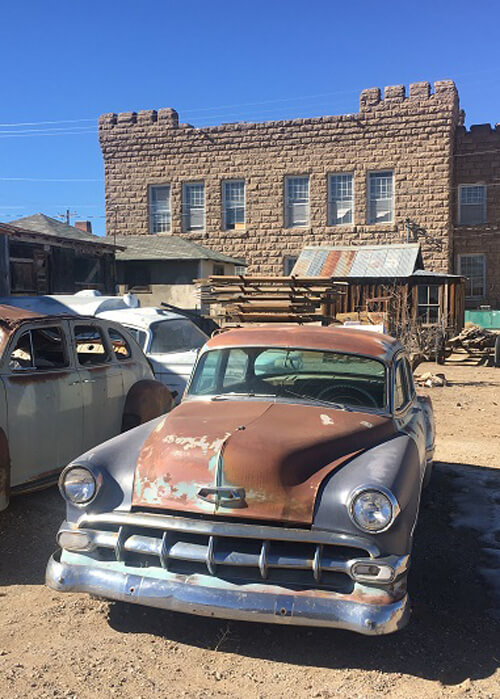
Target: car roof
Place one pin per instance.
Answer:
(331, 338)
(141, 317)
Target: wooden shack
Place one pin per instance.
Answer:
(389, 283)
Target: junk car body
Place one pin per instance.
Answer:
(67, 383)
(284, 488)
(169, 340)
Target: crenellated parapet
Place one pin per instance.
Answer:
(443, 90)
(479, 133)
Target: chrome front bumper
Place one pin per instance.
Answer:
(208, 596)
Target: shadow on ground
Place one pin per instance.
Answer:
(28, 531)
(450, 636)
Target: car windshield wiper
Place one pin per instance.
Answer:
(330, 404)
(251, 394)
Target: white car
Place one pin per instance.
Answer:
(169, 340)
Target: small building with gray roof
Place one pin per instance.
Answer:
(162, 268)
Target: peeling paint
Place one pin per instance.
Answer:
(326, 419)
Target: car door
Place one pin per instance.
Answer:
(407, 411)
(101, 382)
(44, 402)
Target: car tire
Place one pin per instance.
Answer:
(146, 400)
(496, 358)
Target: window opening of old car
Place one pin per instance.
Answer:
(326, 377)
(90, 346)
(401, 388)
(175, 336)
(120, 346)
(140, 336)
(39, 349)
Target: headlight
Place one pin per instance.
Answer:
(78, 485)
(373, 509)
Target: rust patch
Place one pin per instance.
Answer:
(146, 400)
(37, 376)
(278, 453)
(331, 339)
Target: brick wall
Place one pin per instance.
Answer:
(413, 135)
(477, 161)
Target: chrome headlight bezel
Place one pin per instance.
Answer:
(95, 479)
(381, 490)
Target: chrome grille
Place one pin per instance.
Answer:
(232, 551)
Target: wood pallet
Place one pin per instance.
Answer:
(252, 299)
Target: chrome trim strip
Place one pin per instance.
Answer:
(228, 601)
(232, 529)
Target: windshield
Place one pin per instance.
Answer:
(327, 377)
(176, 336)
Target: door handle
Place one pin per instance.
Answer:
(73, 383)
(88, 381)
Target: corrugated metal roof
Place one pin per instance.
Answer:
(362, 261)
(167, 247)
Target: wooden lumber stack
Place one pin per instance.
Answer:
(249, 299)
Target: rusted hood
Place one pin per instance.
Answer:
(276, 454)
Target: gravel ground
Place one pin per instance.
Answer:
(54, 645)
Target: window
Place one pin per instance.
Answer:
(139, 336)
(340, 199)
(471, 204)
(218, 270)
(42, 348)
(236, 369)
(137, 276)
(380, 197)
(288, 264)
(90, 347)
(160, 217)
(473, 268)
(193, 206)
(239, 269)
(176, 336)
(296, 202)
(292, 374)
(233, 194)
(119, 344)
(401, 390)
(428, 303)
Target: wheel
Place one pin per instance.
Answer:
(496, 359)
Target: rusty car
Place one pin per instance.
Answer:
(67, 383)
(284, 488)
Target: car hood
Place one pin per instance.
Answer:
(270, 457)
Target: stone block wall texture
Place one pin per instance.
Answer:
(477, 161)
(412, 134)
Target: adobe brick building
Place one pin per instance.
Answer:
(391, 173)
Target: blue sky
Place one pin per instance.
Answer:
(213, 61)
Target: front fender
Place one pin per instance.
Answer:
(115, 460)
(394, 465)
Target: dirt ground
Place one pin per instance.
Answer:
(55, 645)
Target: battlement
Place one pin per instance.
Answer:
(372, 97)
(168, 118)
(479, 133)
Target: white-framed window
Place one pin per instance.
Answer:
(297, 201)
(473, 268)
(193, 206)
(233, 202)
(159, 209)
(288, 264)
(428, 303)
(471, 204)
(381, 197)
(340, 199)
(240, 269)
